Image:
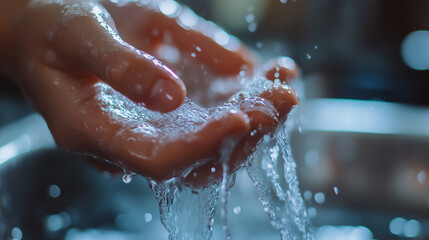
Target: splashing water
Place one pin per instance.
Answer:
(128, 176)
(272, 170)
(188, 213)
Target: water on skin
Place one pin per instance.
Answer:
(272, 167)
(272, 170)
(188, 213)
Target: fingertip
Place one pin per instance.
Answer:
(282, 68)
(283, 98)
(144, 79)
(166, 95)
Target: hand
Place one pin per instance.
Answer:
(101, 92)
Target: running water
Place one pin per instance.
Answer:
(272, 170)
(188, 213)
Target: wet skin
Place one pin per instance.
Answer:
(67, 56)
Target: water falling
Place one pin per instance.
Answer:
(185, 212)
(272, 170)
(188, 213)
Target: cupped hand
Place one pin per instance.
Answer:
(93, 70)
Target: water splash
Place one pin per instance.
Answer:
(237, 210)
(272, 170)
(128, 177)
(185, 212)
(188, 212)
(336, 190)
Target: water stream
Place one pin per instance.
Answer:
(272, 170)
(188, 213)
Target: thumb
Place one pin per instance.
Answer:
(91, 43)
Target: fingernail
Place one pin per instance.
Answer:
(165, 96)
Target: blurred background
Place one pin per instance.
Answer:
(360, 137)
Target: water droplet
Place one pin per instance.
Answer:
(213, 169)
(283, 1)
(237, 210)
(16, 233)
(396, 226)
(148, 217)
(319, 197)
(421, 176)
(259, 44)
(250, 17)
(54, 191)
(316, 47)
(266, 138)
(308, 56)
(336, 190)
(128, 177)
(308, 195)
(194, 174)
(198, 48)
(193, 55)
(169, 7)
(221, 38)
(252, 27)
(412, 228)
(56, 222)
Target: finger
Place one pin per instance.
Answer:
(282, 97)
(260, 112)
(282, 68)
(173, 24)
(91, 43)
(172, 157)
